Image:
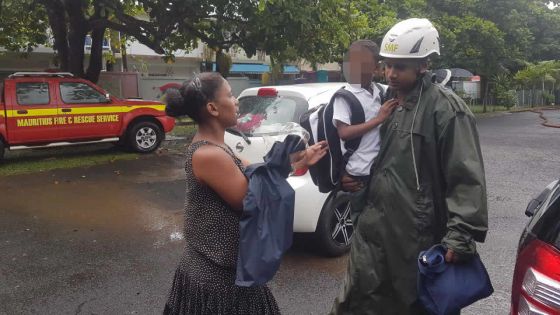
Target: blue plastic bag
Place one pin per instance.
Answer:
(446, 288)
(266, 225)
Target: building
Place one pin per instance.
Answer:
(147, 75)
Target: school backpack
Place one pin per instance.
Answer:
(327, 172)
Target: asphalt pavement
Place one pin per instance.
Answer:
(106, 239)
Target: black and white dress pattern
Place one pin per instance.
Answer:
(204, 282)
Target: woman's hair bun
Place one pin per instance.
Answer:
(175, 103)
(191, 98)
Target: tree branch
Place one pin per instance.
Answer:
(207, 39)
(152, 43)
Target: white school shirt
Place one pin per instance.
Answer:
(361, 160)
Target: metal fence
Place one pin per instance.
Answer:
(533, 98)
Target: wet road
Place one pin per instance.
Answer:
(106, 239)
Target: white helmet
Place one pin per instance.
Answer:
(412, 38)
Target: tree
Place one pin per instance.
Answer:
(381, 16)
(511, 17)
(147, 21)
(20, 29)
(485, 36)
(539, 74)
(166, 26)
(543, 23)
(317, 31)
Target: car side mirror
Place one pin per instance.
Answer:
(107, 98)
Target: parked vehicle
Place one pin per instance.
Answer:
(268, 114)
(536, 281)
(53, 109)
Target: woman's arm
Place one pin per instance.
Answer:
(216, 169)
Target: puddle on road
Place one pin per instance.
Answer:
(112, 208)
(118, 209)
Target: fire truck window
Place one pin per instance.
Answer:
(80, 93)
(32, 93)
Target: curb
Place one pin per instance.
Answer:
(539, 111)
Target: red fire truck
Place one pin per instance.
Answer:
(54, 109)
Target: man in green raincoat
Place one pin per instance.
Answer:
(427, 186)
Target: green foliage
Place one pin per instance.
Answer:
(24, 162)
(22, 25)
(548, 98)
(543, 23)
(543, 74)
(484, 36)
(470, 42)
(317, 31)
(503, 92)
(507, 98)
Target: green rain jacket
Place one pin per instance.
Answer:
(415, 200)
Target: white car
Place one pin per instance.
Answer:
(269, 114)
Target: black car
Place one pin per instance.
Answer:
(536, 281)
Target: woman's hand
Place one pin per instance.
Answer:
(315, 152)
(311, 155)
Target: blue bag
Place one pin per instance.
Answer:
(447, 288)
(266, 225)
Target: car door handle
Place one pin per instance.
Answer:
(66, 110)
(22, 112)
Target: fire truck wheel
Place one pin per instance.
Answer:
(145, 136)
(1, 149)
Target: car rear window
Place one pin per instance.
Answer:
(260, 115)
(547, 227)
(554, 233)
(32, 93)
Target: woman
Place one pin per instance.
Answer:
(216, 186)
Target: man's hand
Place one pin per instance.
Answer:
(451, 257)
(350, 184)
(386, 109)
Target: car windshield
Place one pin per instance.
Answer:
(260, 115)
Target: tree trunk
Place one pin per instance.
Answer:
(543, 91)
(124, 55)
(96, 56)
(218, 56)
(485, 83)
(76, 39)
(78, 30)
(57, 22)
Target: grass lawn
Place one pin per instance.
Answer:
(41, 160)
(187, 131)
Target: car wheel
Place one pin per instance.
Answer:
(145, 137)
(334, 229)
